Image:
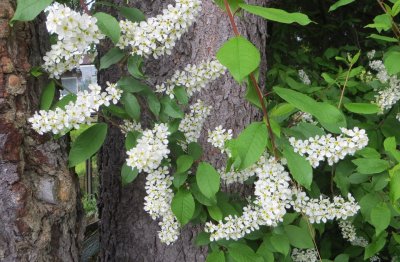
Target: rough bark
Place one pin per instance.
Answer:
(127, 232)
(38, 194)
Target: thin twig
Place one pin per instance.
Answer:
(395, 27)
(344, 86)
(255, 84)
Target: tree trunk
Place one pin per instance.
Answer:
(127, 232)
(39, 220)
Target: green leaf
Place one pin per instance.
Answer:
(134, 66)
(183, 206)
(342, 258)
(179, 179)
(216, 256)
(65, 101)
(339, 3)
(375, 246)
(132, 14)
(207, 179)
(380, 218)
(130, 84)
(243, 253)
(132, 106)
(194, 188)
(87, 144)
(195, 150)
(46, 99)
(240, 56)
(215, 213)
(362, 108)
(249, 145)
(128, 174)
(370, 165)
(202, 239)
(384, 38)
(171, 108)
(328, 115)
(298, 237)
(181, 95)
(395, 184)
(154, 104)
(391, 60)
(396, 8)
(108, 25)
(183, 163)
(113, 56)
(277, 15)
(27, 10)
(281, 243)
(131, 139)
(233, 4)
(299, 167)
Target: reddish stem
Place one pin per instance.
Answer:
(255, 84)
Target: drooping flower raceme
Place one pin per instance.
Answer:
(303, 117)
(304, 255)
(158, 203)
(194, 77)
(193, 121)
(130, 125)
(75, 113)
(349, 233)
(75, 33)
(332, 149)
(151, 149)
(322, 209)
(272, 194)
(304, 77)
(157, 35)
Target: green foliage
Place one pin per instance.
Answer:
(27, 10)
(240, 56)
(183, 206)
(87, 144)
(128, 175)
(113, 56)
(207, 179)
(299, 167)
(46, 99)
(277, 15)
(108, 26)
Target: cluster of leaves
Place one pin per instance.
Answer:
(372, 175)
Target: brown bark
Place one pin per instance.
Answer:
(127, 231)
(38, 194)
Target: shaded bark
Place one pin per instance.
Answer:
(39, 219)
(127, 232)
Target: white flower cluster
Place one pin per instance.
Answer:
(151, 149)
(332, 149)
(193, 121)
(322, 209)
(390, 95)
(349, 233)
(158, 203)
(306, 255)
(75, 33)
(75, 113)
(218, 137)
(304, 77)
(303, 117)
(193, 77)
(272, 196)
(237, 176)
(158, 34)
(130, 125)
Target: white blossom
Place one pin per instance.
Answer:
(158, 203)
(332, 149)
(157, 35)
(322, 209)
(304, 77)
(75, 113)
(218, 137)
(75, 33)
(151, 149)
(194, 77)
(130, 125)
(272, 194)
(303, 117)
(305, 255)
(349, 233)
(193, 121)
